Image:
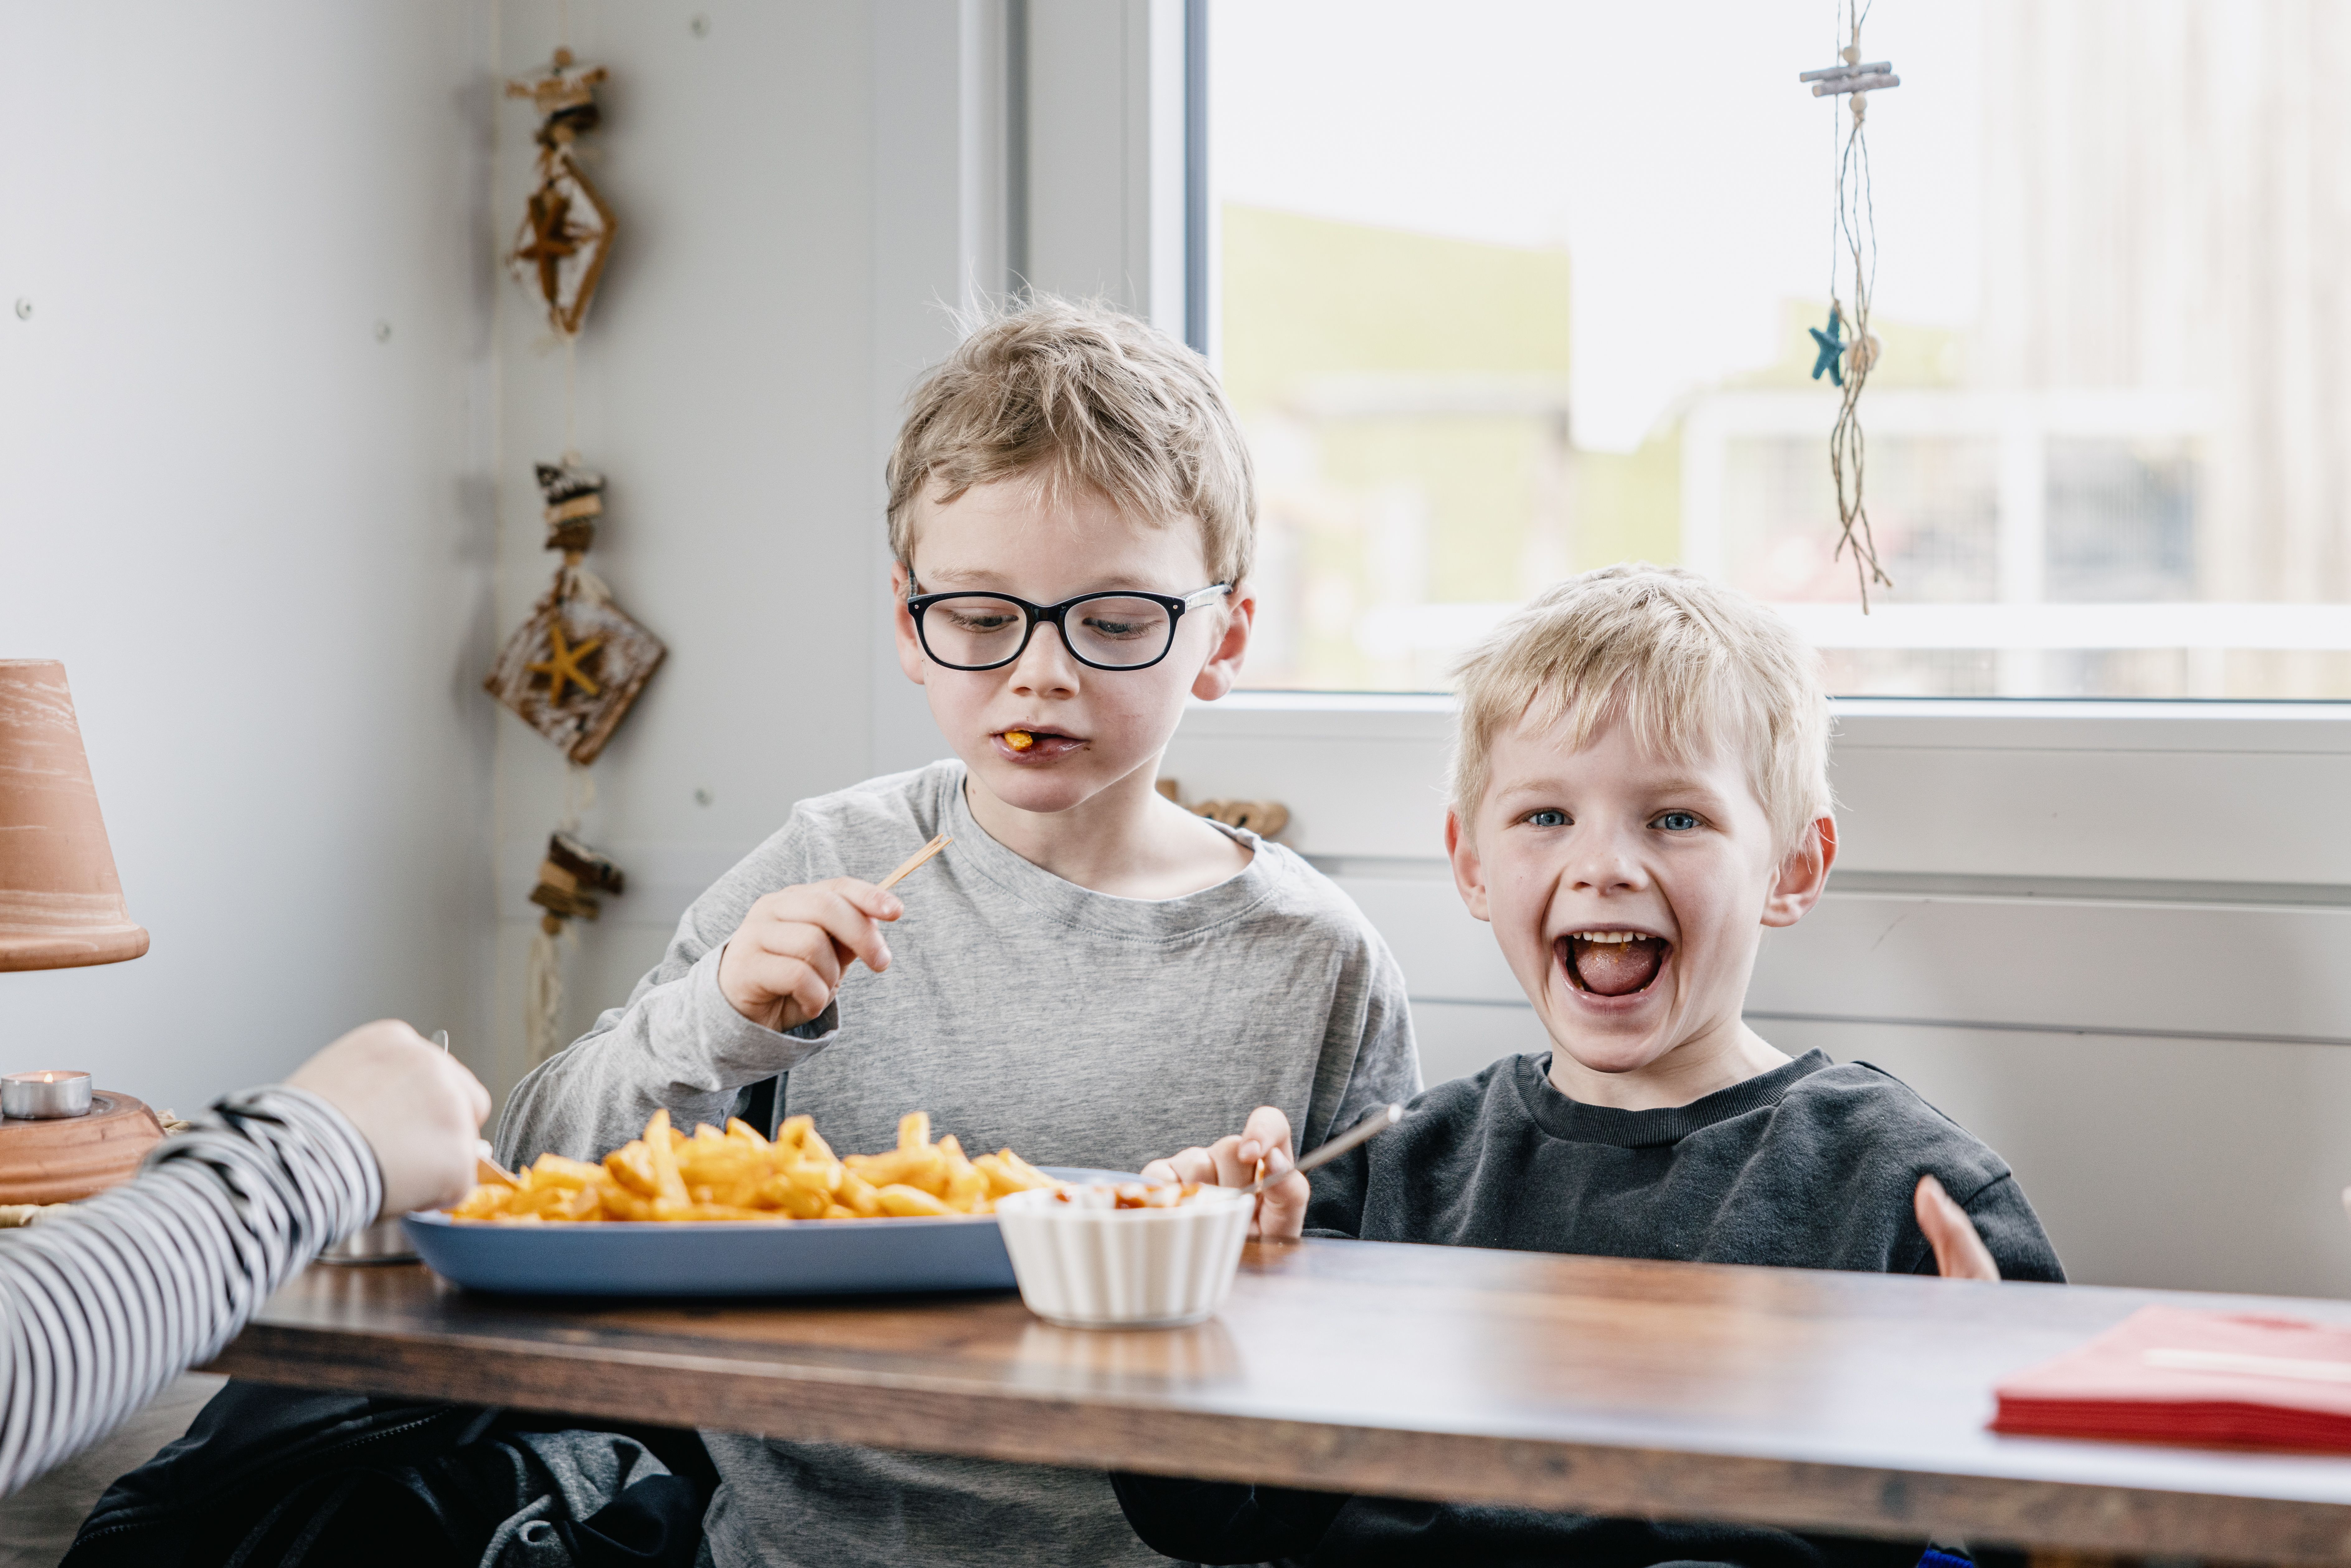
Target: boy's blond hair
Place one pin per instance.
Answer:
(1687, 663)
(1080, 393)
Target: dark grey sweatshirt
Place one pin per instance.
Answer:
(1811, 1166)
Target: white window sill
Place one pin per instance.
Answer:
(2001, 723)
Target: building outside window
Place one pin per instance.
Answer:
(1511, 288)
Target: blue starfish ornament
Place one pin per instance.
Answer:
(1832, 348)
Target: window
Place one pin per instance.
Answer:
(1510, 288)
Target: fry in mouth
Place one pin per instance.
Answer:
(1018, 740)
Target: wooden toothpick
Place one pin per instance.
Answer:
(914, 860)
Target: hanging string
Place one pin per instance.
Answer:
(579, 796)
(542, 982)
(570, 397)
(1853, 246)
(542, 987)
(543, 968)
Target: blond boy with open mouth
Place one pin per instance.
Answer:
(1640, 790)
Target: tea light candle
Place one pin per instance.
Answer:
(44, 1096)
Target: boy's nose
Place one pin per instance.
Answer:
(1045, 665)
(1601, 863)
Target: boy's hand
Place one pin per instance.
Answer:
(783, 964)
(1960, 1253)
(1233, 1162)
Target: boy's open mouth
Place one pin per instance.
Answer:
(1033, 744)
(1611, 963)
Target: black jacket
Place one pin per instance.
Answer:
(273, 1478)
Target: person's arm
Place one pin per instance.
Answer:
(1224, 1521)
(102, 1306)
(745, 992)
(1994, 1234)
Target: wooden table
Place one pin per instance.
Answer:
(1848, 1402)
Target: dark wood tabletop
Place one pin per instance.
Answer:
(1842, 1401)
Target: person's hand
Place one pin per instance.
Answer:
(1233, 1162)
(415, 1104)
(1960, 1253)
(783, 964)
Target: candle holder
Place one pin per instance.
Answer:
(60, 906)
(49, 1096)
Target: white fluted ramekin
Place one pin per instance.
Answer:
(1124, 1268)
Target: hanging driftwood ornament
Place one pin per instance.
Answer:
(567, 228)
(1266, 818)
(571, 876)
(575, 499)
(574, 668)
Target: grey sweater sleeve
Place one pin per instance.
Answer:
(101, 1307)
(1368, 1055)
(676, 1043)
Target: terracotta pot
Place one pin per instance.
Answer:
(60, 903)
(57, 1161)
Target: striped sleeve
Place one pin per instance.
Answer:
(101, 1307)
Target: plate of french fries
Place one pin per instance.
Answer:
(731, 1212)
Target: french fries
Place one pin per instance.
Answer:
(739, 1174)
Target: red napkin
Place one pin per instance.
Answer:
(2167, 1375)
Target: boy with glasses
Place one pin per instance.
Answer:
(1090, 974)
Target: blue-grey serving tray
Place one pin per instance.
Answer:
(810, 1258)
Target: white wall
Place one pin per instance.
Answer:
(258, 536)
(795, 239)
(807, 197)
(277, 554)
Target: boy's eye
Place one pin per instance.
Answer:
(1114, 621)
(1102, 626)
(980, 620)
(1546, 817)
(1676, 821)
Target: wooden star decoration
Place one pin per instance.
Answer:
(567, 227)
(551, 238)
(563, 663)
(560, 245)
(537, 672)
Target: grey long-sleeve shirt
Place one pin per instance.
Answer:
(101, 1307)
(1021, 1010)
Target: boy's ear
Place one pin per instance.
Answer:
(1223, 666)
(1468, 870)
(910, 646)
(1802, 876)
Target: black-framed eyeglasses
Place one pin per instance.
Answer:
(1125, 630)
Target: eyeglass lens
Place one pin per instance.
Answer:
(1119, 632)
